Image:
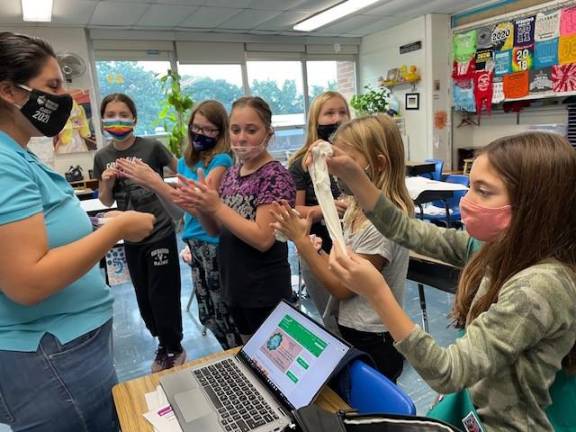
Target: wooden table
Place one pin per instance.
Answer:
(432, 272)
(417, 168)
(131, 404)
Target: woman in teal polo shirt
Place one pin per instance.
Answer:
(56, 371)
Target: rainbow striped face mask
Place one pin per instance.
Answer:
(118, 128)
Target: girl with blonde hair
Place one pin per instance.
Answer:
(327, 112)
(516, 297)
(375, 144)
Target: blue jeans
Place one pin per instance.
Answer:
(64, 388)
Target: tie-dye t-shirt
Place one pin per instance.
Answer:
(251, 278)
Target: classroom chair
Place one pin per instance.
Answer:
(437, 212)
(371, 392)
(438, 167)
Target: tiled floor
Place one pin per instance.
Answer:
(134, 347)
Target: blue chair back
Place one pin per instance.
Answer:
(438, 167)
(454, 202)
(372, 392)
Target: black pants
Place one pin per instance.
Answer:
(380, 347)
(155, 272)
(248, 320)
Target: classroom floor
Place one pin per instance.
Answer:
(134, 348)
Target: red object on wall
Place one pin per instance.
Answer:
(483, 89)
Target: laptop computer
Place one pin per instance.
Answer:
(282, 367)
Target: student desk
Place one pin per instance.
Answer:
(423, 190)
(94, 206)
(418, 168)
(130, 403)
(429, 271)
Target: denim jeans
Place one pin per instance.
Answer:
(64, 388)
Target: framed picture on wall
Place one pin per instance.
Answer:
(412, 101)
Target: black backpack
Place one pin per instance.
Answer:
(74, 174)
(312, 418)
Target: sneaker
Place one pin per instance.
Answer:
(172, 359)
(158, 363)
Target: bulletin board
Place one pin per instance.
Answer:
(530, 56)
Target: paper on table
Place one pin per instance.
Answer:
(321, 181)
(160, 414)
(417, 185)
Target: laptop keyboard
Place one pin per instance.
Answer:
(240, 405)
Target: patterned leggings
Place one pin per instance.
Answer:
(212, 311)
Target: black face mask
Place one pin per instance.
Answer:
(48, 113)
(202, 142)
(326, 131)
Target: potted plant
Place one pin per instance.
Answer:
(372, 101)
(175, 111)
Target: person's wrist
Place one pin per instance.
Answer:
(302, 241)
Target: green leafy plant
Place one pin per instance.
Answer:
(175, 111)
(372, 101)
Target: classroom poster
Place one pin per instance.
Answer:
(78, 134)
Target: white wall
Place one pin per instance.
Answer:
(500, 124)
(380, 52)
(437, 75)
(69, 40)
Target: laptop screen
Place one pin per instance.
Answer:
(294, 354)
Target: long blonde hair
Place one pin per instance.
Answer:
(375, 136)
(313, 116)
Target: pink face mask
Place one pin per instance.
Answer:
(484, 223)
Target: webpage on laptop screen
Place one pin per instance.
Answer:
(294, 353)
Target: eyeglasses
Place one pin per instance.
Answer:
(208, 131)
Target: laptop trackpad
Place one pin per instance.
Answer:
(193, 404)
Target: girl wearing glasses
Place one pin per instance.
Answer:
(208, 149)
(153, 262)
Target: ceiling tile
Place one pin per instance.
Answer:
(351, 25)
(277, 5)
(384, 23)
(248, 19)
(315, 6)
(10, 12)
(72, 11)
(182, 2)
(459, 6)
(166, 15)
(117, 14)
(284, 21)
(209, 17)
(240, 4)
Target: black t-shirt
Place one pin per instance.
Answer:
(130, 196)
(303, 181)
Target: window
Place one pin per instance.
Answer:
(280, 84)
(140, 81)
(331, 75)
(219, 82)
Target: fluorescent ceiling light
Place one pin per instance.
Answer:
(340, 10)
(37, 10)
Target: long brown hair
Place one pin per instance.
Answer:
(313, 115)
(216, 114)
(376, 136)
(539, 172)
